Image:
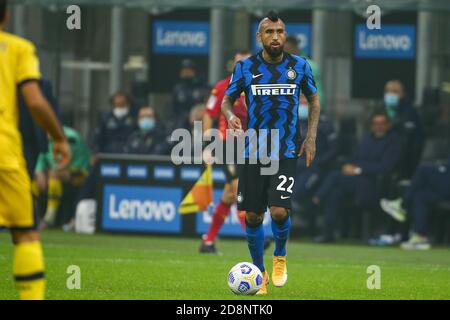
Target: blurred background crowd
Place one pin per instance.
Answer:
(382, 169)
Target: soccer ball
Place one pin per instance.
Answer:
(245, 278)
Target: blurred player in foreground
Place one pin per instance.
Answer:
(19, 71)
(271, 81)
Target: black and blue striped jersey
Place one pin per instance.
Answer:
(272, 93)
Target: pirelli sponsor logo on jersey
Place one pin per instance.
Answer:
(274, 89)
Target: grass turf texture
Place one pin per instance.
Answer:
(148, 267)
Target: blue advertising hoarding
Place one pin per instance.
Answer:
(141, 208)
(110, 170)
(301, 30)
(175, 37)
(396, 41)
(137, 172)
(232, 226)
(164, 172)
(143, 195)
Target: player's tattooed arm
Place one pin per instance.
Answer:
(309, 145)
(313, 115)
(227, 106)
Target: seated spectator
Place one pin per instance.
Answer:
(188, 91)
(58, 180)
(430, 185)
(151, 136)
(196, 114)
(377, 155)
(111, 136)
(406, 122)
(116, 126)
(308, 179)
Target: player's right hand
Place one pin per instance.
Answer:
(234, 123)
(207, 156)
(61, 153)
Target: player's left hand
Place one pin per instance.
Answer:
(207, 156)
(308, 147)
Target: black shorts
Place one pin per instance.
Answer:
(230, 169)
(230, 172)
(256, 192)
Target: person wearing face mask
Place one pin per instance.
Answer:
(376, 156)
(115, 126)
(187, 92)
(406, 122)
(308, 179)
(150, 137)
(111, 135)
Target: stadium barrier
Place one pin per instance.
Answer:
(142, 194)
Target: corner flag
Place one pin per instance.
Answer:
(201, 194)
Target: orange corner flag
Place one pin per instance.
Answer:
(201, 194)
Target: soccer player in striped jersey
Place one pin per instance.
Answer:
(272, 81)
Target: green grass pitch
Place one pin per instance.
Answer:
(149, 267)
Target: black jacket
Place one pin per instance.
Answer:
(112, 134)
(326, 143)
(151, 143)
(408, 126)
(378, 156)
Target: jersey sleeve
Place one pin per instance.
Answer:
(28, 68)
(308, 85)
(236, 85)
(213, 105)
